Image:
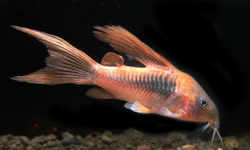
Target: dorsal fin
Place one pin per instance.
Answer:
(112, 59)
(123, 41)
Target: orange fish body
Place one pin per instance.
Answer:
(157, 88)
(167, 93)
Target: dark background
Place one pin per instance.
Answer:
(210, 40)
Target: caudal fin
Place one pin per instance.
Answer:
(66, 64)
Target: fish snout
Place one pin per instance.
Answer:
(214, 124)
(214, 121)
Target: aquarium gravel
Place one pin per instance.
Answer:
(130, 139)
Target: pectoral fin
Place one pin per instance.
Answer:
(99, 93)
(137, 107)
(166, 112)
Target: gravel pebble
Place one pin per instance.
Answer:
(79, 139)
(143, 147)
(89, 140)
(52, 144)
(202, 145)
(39, 140)
(107, 137)
(68, 139)
(187, 147)
(51, 137)
(231, 142)
(66, 142)
(68, 135)
(29, 148)
(25, 140)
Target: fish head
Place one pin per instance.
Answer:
(201, 108)
(205, 110)
(198, 106)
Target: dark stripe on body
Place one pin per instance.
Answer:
(163, 84)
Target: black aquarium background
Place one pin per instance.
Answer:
(210, 40)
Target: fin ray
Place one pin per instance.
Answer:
(123, 41)
(66, 64)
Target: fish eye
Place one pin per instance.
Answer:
(202, 102)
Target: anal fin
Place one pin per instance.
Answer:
(99, 93)
(137, 107)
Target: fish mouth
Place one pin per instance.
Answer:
(215, 130)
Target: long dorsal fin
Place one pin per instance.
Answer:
(112, 59)
(123, 41)
(99, 93)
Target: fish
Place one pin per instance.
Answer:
(158, 87)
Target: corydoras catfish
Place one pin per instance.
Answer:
(157, 88)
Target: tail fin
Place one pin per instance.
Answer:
(66, 64)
